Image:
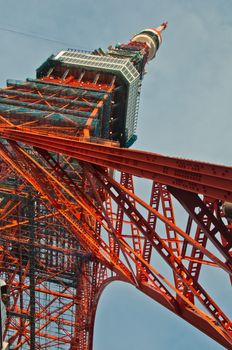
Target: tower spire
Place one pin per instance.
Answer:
(152, 38)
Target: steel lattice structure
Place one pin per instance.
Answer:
(72, 220)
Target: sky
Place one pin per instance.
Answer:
(185, 111)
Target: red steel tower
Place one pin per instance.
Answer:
(72, 219)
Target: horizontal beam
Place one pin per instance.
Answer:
(198, 177)
(35, 96)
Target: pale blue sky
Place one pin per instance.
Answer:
(185, 111)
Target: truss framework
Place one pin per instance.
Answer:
(70, 228)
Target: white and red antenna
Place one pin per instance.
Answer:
(152, 37)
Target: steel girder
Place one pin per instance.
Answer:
(118, 235)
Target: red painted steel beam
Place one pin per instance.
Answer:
(208, 179)
(195, 320)
(191, 202)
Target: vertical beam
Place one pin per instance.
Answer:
(31, 209)
(198, 210)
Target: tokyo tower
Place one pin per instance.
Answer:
(79, 209)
